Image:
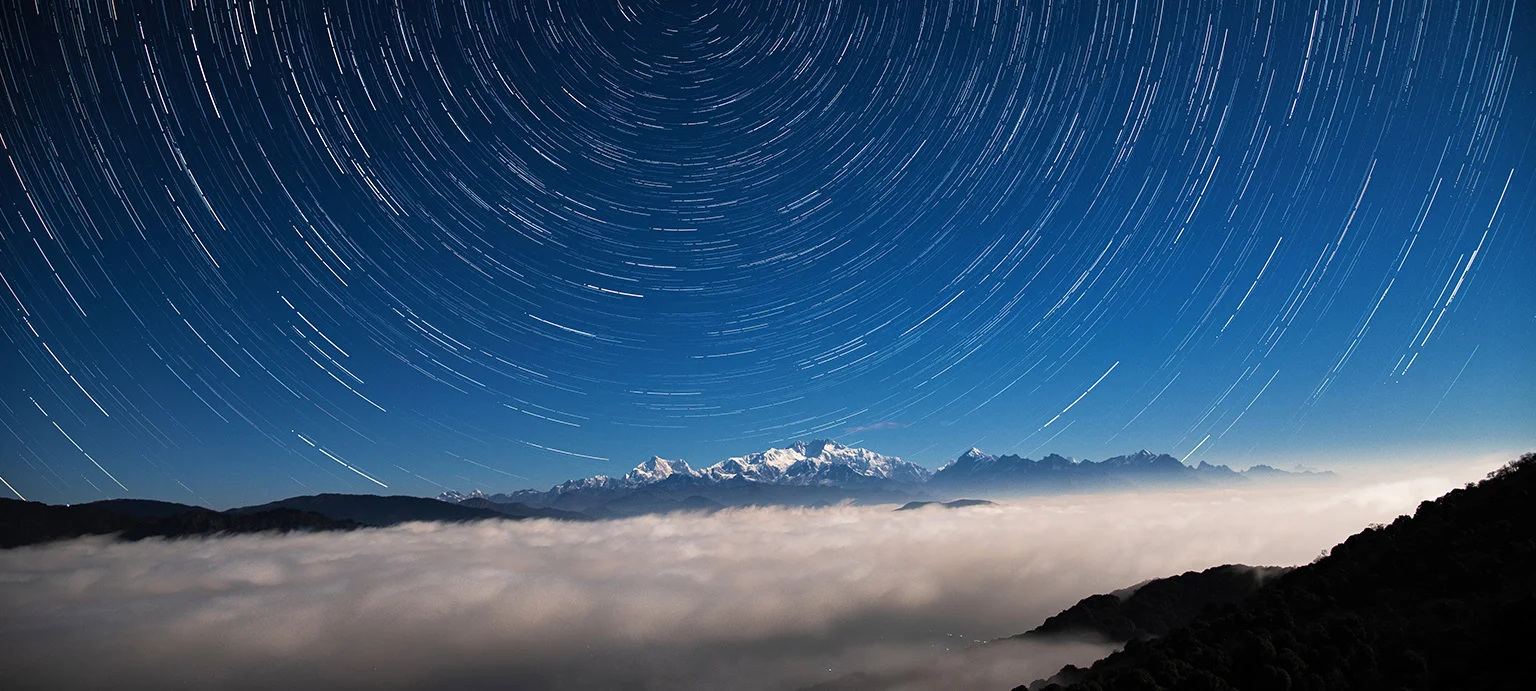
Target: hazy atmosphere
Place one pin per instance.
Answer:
(759, 598)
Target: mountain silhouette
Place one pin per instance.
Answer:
(27, 523)
(1443, 599)
(1157, 607)
(377, 511)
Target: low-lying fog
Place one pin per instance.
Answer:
(745, 599)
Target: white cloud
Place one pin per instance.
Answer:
(747, 599)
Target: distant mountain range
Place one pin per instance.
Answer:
(825, 472)
(978, 471)
(816, 473)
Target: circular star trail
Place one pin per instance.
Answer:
(255, 246)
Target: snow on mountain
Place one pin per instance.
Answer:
(587, 483)
(651, 471)
(455, 496)
(817, 463)
(1142, 457)
(655, 470)
(820, 462)
(970, 461)
(824, 465)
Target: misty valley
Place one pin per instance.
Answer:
(1176, 584)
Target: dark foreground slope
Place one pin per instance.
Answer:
(1156, 607)
(1150, 609)
(1445, 599)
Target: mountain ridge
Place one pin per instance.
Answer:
(824, 471)
(813, 473)
(26, 522)
(1442, 598)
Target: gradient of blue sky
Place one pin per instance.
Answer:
(321, 246)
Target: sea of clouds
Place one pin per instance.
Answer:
(768, 598)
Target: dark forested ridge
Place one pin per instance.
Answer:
(1157, 607)
(1149, 609)
(377, 511)
(1445, 599)
(27, 523)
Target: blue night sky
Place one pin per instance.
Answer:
(259, 249)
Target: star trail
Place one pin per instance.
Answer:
(253, 248)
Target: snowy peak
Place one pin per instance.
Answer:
(818, 462)
(1145, 459)
(969, 462)
(594, 482)
(455, 496)
(824, 468)
(656, 470)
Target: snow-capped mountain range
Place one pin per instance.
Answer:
(821, 462)
(825, 471)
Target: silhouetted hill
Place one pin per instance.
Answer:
(1156, 607)
(377, 511)
(27, 523)
(1150, 609)
(205, 522)
(1444, 599)
(141, 508)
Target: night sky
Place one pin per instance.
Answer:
(254, 249)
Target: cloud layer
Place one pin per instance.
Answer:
(747, 599)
